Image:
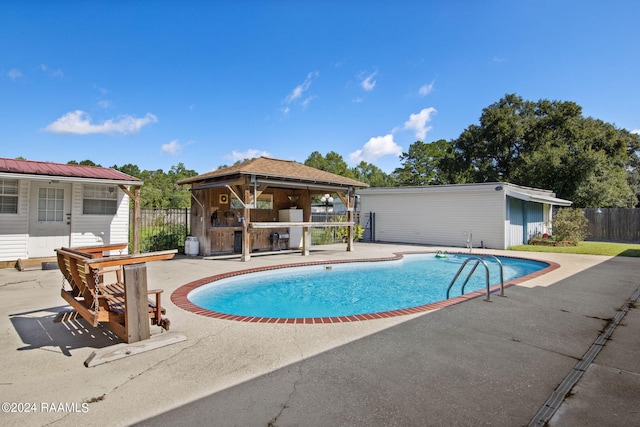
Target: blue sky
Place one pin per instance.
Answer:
(206, 83)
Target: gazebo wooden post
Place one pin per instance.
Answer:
(350, 229)
(307, 217)
(347, 200)
(246, 237)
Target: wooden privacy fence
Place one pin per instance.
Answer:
(613, 224)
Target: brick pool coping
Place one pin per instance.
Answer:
(180, 299)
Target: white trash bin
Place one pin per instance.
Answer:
(191, 246)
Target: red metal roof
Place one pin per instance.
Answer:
(30, 167)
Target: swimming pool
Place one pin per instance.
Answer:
(357, 290)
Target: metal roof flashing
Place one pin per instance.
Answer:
(539, 196)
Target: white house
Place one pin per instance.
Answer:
(491, 215)
(44, 206)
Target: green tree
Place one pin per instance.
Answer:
(633, 165)
(331, 162)
(581, 159)
(423, 163)
(180, 197)
(160, 190)
(373, 175)
(129, 169)
(491, 151)
(82, 163)
(363, 171)
(546, 144)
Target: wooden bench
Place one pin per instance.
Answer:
(123, 306)
(87, 252)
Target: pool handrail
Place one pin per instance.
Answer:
(478, 259)
(496, 259)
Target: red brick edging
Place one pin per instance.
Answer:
(179, 296)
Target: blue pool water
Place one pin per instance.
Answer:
(350, 288)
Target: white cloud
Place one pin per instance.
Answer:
(173, 148)
(51, 73)
(104, 103)
(426, 89)
(101, 89)
(368, 83)
(306, 102)
(79, 123)
(14, 74)
(636, 131)
(375, 148)
(418, 122)
(249, 154)
(301, 88)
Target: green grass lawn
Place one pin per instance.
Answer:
(587, 248)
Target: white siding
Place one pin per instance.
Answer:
(438, 216)
(85, 229)
(98, 229)
(14, 228)
(120, 222)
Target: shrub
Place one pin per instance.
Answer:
(343, 232)
(330, 235)
(171, 238)
(324, 236)
(570, 225)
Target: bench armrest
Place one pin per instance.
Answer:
(118, 260)
(101, 248)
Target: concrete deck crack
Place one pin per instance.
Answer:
(102, 397)
(19, 282)
(294, 389)
(520, 341)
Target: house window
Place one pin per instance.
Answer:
(50, 204)
(265, 201)
(8, 196)
(99, 200)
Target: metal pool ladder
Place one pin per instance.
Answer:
(478, 261)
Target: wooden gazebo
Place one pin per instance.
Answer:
(245, 207)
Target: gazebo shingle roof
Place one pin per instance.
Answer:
(285, 170)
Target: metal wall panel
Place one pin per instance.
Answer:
(515, 221)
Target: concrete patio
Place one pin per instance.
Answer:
(474, 363)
